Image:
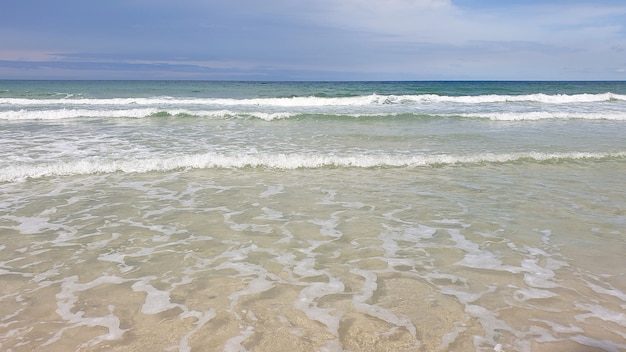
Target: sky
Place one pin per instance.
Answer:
(313, 39)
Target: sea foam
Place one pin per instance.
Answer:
(545, 115)
(16, 172)
(61, 114)
(372, 99)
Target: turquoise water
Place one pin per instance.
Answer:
(289, 216)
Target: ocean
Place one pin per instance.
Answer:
(312, 216)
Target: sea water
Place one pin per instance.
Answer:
(312, 216)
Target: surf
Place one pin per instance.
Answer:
(304, 101)
(212, 160)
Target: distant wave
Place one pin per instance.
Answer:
(60, 114)
(277, 161)
(545, 115)
(313, 101)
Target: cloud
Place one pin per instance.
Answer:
(444, 22)
(294, 39)
(27, 55)
(420, 19)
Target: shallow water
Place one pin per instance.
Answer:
(313, 231)
(445, 258)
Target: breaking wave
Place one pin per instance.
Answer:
(373, 99)
(277, 161)
(61, 114)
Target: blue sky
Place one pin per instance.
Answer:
(314, 40)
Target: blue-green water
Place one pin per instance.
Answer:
(306, 216)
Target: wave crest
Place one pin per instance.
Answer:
(314, 101)
(61, 114)
(277, 161)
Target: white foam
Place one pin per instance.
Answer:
(54, 271)
(532, 293)
(8, 320)
(258, 278)
(33, 224)
(307, 303)
(463, 297)
(450, 337)
(390, 246)
(539, 98)
(483, 260)
(443, 276)
(272, 190)
(560, 329)
(17, 172)
(234, 343)
(61, 114)
(607, 291)
(113, 257)
(474, 256)
(492, 327)
(417, 233)
(164, 231)
(537, 276)
(311, 101)
(103, 243)
(270, 214)
(307, 101)
(600, 312)
(367, 291)
(545, 238)
(255, 286)
(545, 115)
(606, 345)
(65, 113)
(305, 268)
(328, 227)
(157, 301)
(539, 334)
(202, 319)
(66, 301)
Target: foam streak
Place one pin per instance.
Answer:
(19, 172)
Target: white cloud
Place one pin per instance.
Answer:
(440, 21)
(393, 39)
(27, 55)
(528, 40)
(392, 17)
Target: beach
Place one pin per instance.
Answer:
(312, 216)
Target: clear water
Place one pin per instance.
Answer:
(324, 216)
